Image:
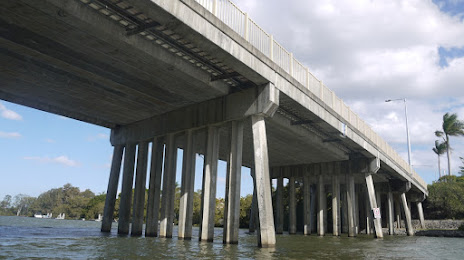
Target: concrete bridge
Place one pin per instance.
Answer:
(203, 77)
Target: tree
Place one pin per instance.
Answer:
(6, 202)
(439, 149)
(451, 127)
(445, 198)
(22, 204)
(461, 168)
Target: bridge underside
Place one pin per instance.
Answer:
(133, 67)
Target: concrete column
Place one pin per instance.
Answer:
(140, 187)
(369, 216)
(356, 209)
(398, 213)
(112, 188)
(421, 214)
(169, 187)
(263, 189)
(378, 197)
(344, 212)
(253, 208)
(154, 190)
(336, 205)
(292, 206)
(322, 206)
(280, 206)
(126, 190)
(187, 186)
(350, 197)
(407, 214)
(373, 204)
(390, 215)
(209, 185)
(232, 206)
(306, 205)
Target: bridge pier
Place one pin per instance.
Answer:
(140, 187)
(154, 190)
(126, 190)
(279, 217)
(390, 215)
(112, 188)
(187, 187)
(306, 205)
(291, 206)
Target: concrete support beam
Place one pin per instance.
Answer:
(407, 214)
(209, 185)
(140, 187)
(187, 188)
(112, 188)
(321, 206)
(291, 206)
(391, 215)
(398, 212)
(169, 188)
(356, 209)
(262, 100)
(263, 189)
(280, 206)
(154, 190)
(232, 201)
(126, 190)
(421, 214)
(344, 211)
(336, 225)
(369, 216)
(373, 167)
(306, 205)
(253, 208)
(350, 197)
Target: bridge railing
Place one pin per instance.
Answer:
(239, 21)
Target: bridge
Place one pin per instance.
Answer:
(203, 77)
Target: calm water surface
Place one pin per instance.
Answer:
(22, 238)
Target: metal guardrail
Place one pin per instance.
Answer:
(239, 21)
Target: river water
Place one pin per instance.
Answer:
(22, 237)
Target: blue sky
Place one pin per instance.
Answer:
(366, 51)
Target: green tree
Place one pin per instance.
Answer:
(445, 200)
(461, 168)
(22, 204)
(439, 149)
(451, 127)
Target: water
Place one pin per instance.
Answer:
(22, 238)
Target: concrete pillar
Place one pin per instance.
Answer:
(140, 187)
(209, 185)
(369, 216)
(154, 190)
(306, 205)
(169, 188)
(356, 208)
(313, 208)
(112, 188)
(253, 208)
(373, 204)
(322, 206)
(232, 206)
(336, 205)
(344, 212)
(407, 214)
(390, 216)
(291, 206)
(398, 213)
(280, 206)
(378, 197)
(126, 190)
(187, 188)
(350, 198)
(421, 214)
(266, 217)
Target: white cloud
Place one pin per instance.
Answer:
(9, 114)
(49, 140)
(10, 135)
(63, 160)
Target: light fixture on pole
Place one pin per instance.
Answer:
(407, 128)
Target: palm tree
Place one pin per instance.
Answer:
(451, 127)
(439, 149)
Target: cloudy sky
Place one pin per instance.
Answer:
(367, 51)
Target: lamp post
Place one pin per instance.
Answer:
(407, 128)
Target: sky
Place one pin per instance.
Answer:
(367, 51)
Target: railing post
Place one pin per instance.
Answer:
(215, 7)
(271, 47)
(246, 30)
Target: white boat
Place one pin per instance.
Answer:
(38, 215)
(100, 218)
(60, 216)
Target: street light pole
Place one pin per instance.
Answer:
(407, 127)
